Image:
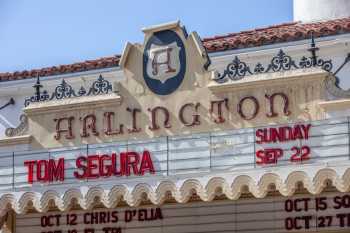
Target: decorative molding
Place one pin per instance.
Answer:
(262, 80)
(65, 91)
(206, 187)
(335, 105)
(21, 129)
(161, 27)
(332, 87)
(16, 140)
(88, 102)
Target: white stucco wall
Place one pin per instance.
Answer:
(316, 10)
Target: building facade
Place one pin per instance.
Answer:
(246, 132)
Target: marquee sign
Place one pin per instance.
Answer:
(272, 140)
(302, 213)
(266, 146)
(166, 125)
(91, 167)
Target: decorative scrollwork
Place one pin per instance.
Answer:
(281, 62)
(259, 68)
(62, 91)
(42, 97)
(20, 129)
(65, 90)
(326, 65)
(100, 86)
(307, 62)
(235, 70)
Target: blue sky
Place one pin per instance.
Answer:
(41, 33)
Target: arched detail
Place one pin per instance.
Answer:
(47, 197)
(265, 181)
(115, 195)
(161, 192)
(214, 184)
(320, 180)
(237, 185)
(27, 200)
(292, 181)
(68, 199)
(345, 182)
(7, 202)
(136, 196)
(206, 188)
(92, 195)
(185, 192)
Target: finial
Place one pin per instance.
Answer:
(37, 86)
(313, 49)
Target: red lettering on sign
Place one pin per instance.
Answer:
(279, 135)
(268, 156)
(46, 170)
(283, 133)
(95, 166)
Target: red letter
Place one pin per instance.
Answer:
(259, 133)
(105, 169)
(146, 163)
(80, 165)
(56, 172)
(91, 166)
(306, 129)
(132, 159)
(30, 165)
(40, 164)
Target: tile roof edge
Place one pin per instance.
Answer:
(280, 33)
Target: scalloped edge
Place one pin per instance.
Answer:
(182, 191)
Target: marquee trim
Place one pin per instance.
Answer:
(278, 78)
(207, 188)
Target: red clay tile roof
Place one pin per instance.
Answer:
(104, 62)
(253, 38)
(276, 34)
